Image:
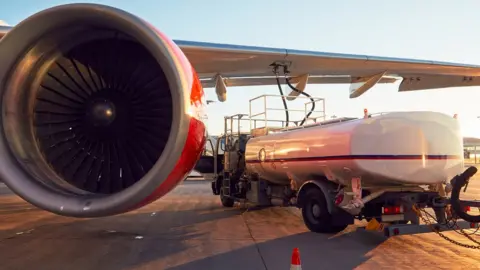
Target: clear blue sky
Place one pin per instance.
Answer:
(428, 29)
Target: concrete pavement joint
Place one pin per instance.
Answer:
(253, 238)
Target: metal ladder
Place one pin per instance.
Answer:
(226, 184)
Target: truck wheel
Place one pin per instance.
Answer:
(315, 213)
(226, 201)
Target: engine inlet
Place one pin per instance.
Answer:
(103, 114)
(94, 111)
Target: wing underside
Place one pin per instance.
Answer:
(248, 65)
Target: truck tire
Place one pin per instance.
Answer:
(315, 213)
(226, 201)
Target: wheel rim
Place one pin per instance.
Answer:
(313, 212)
(316, 211)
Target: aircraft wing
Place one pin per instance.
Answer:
(238, 65)
(224, 65)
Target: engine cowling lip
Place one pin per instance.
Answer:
(72, 205)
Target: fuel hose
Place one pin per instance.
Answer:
(457, 183)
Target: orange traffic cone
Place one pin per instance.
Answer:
(295, 264)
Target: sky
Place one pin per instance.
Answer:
(428, 29)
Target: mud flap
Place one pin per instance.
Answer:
(341, 217)
(374, 225)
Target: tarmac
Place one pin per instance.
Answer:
(189, 229)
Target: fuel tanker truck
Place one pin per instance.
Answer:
(386, 168)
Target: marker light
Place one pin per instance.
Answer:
(392, 210)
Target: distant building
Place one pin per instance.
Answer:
(471, 149)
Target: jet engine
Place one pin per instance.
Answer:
(101, 112)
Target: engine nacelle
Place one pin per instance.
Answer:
(101, 113)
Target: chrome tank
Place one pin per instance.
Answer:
(395, 148)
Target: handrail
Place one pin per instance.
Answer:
(259, 122)
(266, 119)
(245, 117)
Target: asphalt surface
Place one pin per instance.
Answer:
(188, 229)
